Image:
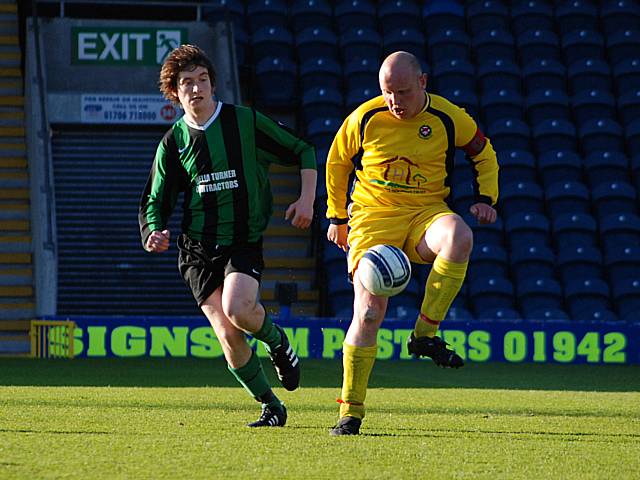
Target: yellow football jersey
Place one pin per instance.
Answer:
(406, 163)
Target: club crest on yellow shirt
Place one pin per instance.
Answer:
(424, 131)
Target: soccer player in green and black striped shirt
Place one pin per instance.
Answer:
(218, 154)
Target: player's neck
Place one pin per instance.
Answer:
(201, 116)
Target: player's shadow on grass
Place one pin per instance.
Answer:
(191, 372)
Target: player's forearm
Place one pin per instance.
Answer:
(308, 181)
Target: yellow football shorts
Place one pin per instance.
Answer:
(400, 227)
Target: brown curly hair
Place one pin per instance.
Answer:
(185, 57)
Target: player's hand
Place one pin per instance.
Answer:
(158, 242)
(484, 213)
(300, 212)
(338, 235)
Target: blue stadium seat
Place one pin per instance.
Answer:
(617, 15)
(321, 131)
(410, 40)
(462, 172)
(322, 102)
(595, 315)
(559, 164)
(276, 81)
(491, 292)
(531, 15)
(576, 15)
(361, 43)
(361, 73)
(581, 261)
(510, 134)
(516, 165)
(320, 72)
(547, 104)
(531, 261)
(554, 134)
(272, 41)
(626, 75)
(321, 185)
(620, 229)
(519, 197)
(593, 105)
(605, 166)
(632, 136)
(501, 104)
(536, 44)
(600, 134)
(499, 73)
(629, 106)
(498, 313)
(454, 73)
(626, 297)
(241, 44)
(622, 261)
(448, 43)
(438, 13)
(490, 233)
(547, 314)
(358, 95)
(527, 229)
(586, 294)
(311, 14)
(614, 197)
(539, 293)
(494, 43)
(487, 14)
(462, 98)
(575, 229)
(486, 260)
(544, 73)
(567, 197)
(409, 300)
(267, 13)
(582, 44)
(623, 44)
(234, 10)
(392, 13)
(354, 14)
(635, 170)
(461, 197)
(459, 313)
(316, 42)
(589, 74)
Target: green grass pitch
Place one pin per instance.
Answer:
(184, 418)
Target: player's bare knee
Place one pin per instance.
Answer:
(457, 241)
(239, 310)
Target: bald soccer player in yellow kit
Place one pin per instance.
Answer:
(401, 146)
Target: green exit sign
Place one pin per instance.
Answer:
(124, 46)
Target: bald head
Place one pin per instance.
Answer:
(400, 62)
(402, 84)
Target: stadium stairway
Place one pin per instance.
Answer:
(16, 270)
(287, 250)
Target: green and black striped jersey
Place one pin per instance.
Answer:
(222, 168)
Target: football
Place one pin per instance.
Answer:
(384, 270)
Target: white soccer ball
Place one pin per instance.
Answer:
(384, 270)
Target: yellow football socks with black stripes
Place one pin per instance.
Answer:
(357, 363)
(443, 284)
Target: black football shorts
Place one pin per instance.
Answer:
(204, 267)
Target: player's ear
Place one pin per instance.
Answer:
(423, 81)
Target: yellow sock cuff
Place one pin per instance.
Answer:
(362, 352)
(447, 268)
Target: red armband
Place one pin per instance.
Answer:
(476, 144)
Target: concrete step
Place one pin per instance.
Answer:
(15, 325)
(8, 8)
(268, 294)
(282, 231)
(300, 309)
(10, 72)
(13, 193)
(14, 225)
(15, 258)
(290, 262)
(16, 291)
(13, 162)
